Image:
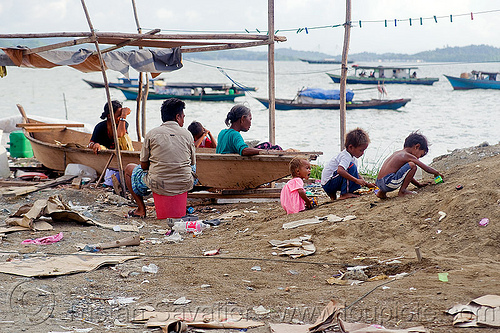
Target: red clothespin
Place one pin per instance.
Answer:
(471, 16)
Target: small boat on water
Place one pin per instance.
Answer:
(475, 80)
(188, 93)
(324, 61)
(384, 75)
(56, 145)
(134, 83)
(314, 98)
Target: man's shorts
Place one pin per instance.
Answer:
(393, 181)
(138, 186)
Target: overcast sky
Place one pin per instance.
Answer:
(23, 16)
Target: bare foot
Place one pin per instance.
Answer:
(406, 192)
(347, 196)
(381, 195)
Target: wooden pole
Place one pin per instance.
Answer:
(144, 100)
(270, 65)
(138, 111)
(343, 79)
(108, 95)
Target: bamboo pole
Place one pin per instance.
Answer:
(110, 105)
(343, 79)
(132, 40)
(144, 100)
(270, 65)
(138, 111)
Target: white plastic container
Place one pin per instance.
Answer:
(195, 227)
(4, 163)
(80, 170)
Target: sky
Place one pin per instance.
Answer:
(31, 16)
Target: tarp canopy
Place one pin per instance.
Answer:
(319, 93)
(145, 60)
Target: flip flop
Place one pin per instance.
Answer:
(132, 214)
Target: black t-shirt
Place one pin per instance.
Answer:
(100, 135)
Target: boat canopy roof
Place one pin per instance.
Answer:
(383, 67)
(486, 73)
(319, 93)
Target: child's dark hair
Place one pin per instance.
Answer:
(196, 128)
(295, 163)
(357, 137)
(236, 113)
(170, 108)
(116, 105)
(415, 138)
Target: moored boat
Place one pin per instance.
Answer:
(134, 83)
(196, 94)
(324, 61)
(384, 75)
(57, 146)
(475, 80)
(314, 98)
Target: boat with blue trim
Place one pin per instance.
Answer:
(384, 75)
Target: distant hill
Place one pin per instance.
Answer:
(471, 53)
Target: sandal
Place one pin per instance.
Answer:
(132, 213)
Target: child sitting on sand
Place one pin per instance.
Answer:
(398, 170)
(341, 173)
(202, 137)
(293, 196)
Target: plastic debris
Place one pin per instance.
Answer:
(182, 301)
(443, 277)
(442, 215)
(260, 310)
(484, 222)
(256, 268)
(44, 240)
(211, 252)
(151, 268)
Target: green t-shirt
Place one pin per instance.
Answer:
(230, 141)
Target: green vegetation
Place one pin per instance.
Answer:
(316, 171)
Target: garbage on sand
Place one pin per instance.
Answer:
(44, 240)
(329, 218)
(330, 320)
(483, 311)
(295, 247)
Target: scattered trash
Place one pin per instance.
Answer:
(122, 300)
(256, 268)
(443, 277)
(174, 237)
(293, 272)
(295, 247)
(211, 252)
(442, 215)
(213, 222)
(484, 222)
(459, 187)
(190, 210)
(44, 240)
(182, 301)
(329, 218)
(195, 227)
(438, 180)
(151, 268)
(205, 286)
(129, 241)
(439, 231)
(260, 310)
(355, 274)
(117, 228)
(483, 311)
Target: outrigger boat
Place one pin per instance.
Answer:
(56, 145)
(134, 83)
(475, 80)
(314, 98)
(324, 61)
(191, 94)
(384, 75)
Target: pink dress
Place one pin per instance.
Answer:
(290, 198)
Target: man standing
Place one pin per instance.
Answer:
(166, 158)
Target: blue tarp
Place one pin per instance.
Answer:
(326, 93)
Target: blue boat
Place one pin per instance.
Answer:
(384, 75)
(314, 98)
(134, 83)
(475, 80)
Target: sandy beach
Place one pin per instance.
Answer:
(247, 273)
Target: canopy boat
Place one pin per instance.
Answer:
(385, 75)
(192, 94)
(324, 61)
(315, 98)
(475, 80)
(56, 145)
(134, 83)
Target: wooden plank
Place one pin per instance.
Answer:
(58, 45)
(45, 128)
(77, 183)
(211, 195)
(7, 183)
(251, 191)
(45, 124)
(17, 191)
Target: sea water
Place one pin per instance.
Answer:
(450, 119)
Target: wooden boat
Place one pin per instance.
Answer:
(55, 146)
(134, 83)
(475, 80)
(384, 75)
(184, 94)
(292, 104)
(325, 61)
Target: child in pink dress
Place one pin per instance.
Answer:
(293, 196)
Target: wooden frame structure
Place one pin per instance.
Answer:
(188, 43)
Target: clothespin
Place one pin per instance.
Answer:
(471, 16)
(306, 30)
(451, 18)
(410, 21)
(395, 22)
(360, 23)
(435, 19)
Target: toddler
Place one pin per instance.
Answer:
(293, 196)
(341, 172)
(202, 137)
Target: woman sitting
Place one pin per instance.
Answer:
(102, 137)
(230, 141)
